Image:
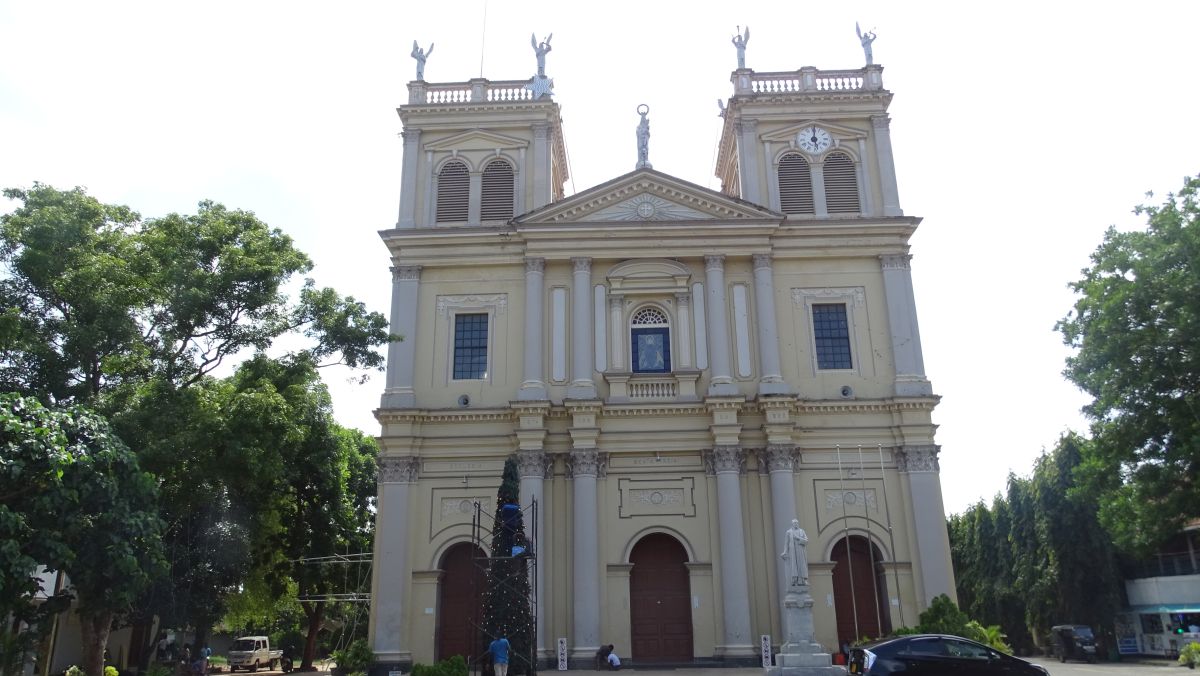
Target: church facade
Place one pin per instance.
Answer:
(679, 372)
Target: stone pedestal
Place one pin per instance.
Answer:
(799, 655)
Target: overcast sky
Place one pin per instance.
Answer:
(1021, 130)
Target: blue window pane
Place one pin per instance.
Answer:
(651, 350)
(832, 333)
(470, 346)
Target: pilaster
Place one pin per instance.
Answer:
(402, 354)
(902, 322)
(887, 164)
(771, 379)
(388, 630)
(533, 387)
(408, 178)
(582, 349)
(721, 381)
(918, 465)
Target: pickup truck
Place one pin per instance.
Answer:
(252, 652)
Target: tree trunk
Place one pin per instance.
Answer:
(315, 612)
(95, 630)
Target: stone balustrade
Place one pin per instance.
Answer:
(809, 80)
(476, 90)
(644, 387)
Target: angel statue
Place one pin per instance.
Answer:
(740, 41)
(420, 55)
(541, 50)
(866, 39)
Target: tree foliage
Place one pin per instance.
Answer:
(1038, 557)
(506, 596)
(72, 499)
(1135, 329)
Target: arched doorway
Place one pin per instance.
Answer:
(460, 592)
(660, 609)
(859, 590)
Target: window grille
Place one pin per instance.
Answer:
(831, 333)
(470, 346)
(649, 316)
(453, 193)
(841, 185)
(795, 185)
(650, 341)
(497, 192)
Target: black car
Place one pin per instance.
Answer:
(936, 655)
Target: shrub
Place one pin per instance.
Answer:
(356, 657)
(451, 666)
(111, 671)
(75, 671)
(1190, 655)
(159, 670)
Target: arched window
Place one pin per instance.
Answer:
(497, 202)
(650, 341)
(795, 185)
(841, 185)
(453, 192)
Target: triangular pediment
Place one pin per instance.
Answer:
(646, 195)
(788, 134)
(477, 139)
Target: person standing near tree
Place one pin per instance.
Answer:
(499, 650)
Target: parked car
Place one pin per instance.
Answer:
(1074, 642)
(253, 653)
(936, 655)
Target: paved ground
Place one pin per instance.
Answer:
(1139, 668)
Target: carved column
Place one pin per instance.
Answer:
(583, 466)
(919, 465)
(887, 165)
(542, 165)
(683, 301)
(902, 320)
(391, 567)
(408, 179)
(531, 466)
(534, 385)
(748, 159)
(582, 357)
(401, 359)
(771, 379)
(616, 322)
(727, 463)
(781, 463)
(721, 382)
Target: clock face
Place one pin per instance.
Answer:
(814, 139)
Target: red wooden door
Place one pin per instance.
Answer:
(459, 596)
(660, 606)
(863, 564)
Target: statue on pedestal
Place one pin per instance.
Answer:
(420, 55)
(643, 138)
(794, 552)
(739, 41)
(866, 39)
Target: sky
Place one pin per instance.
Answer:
(1021, 131)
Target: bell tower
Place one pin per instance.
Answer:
(478, 151)
(810, 143)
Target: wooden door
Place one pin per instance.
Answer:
(460, 593)
(660, 606)
(862, 564)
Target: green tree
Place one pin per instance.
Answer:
(323, 491)
(506, 596)
(1135, 328)
(73, 500)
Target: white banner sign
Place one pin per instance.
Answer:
(562, 654)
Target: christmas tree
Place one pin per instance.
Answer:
(507, 604)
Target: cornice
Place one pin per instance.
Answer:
(819, 407)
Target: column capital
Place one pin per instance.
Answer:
(582, 264)
(535, 265)
(725, 460)
(398, 470)
(880, 122)
(616, 302)
(761, 261)
(714, 262)
(405, 272)
(896, 261)
(541, 130)
(913, 459)
(531, 464)
(780, 457)
(683, 299)
(411, 135)
(587, 463)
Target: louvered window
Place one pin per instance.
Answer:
(454, 188)
(841, 185)
(795, 185)
(497, 192)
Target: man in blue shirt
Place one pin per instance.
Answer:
(499, 649)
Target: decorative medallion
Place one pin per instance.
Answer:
(647, 207)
